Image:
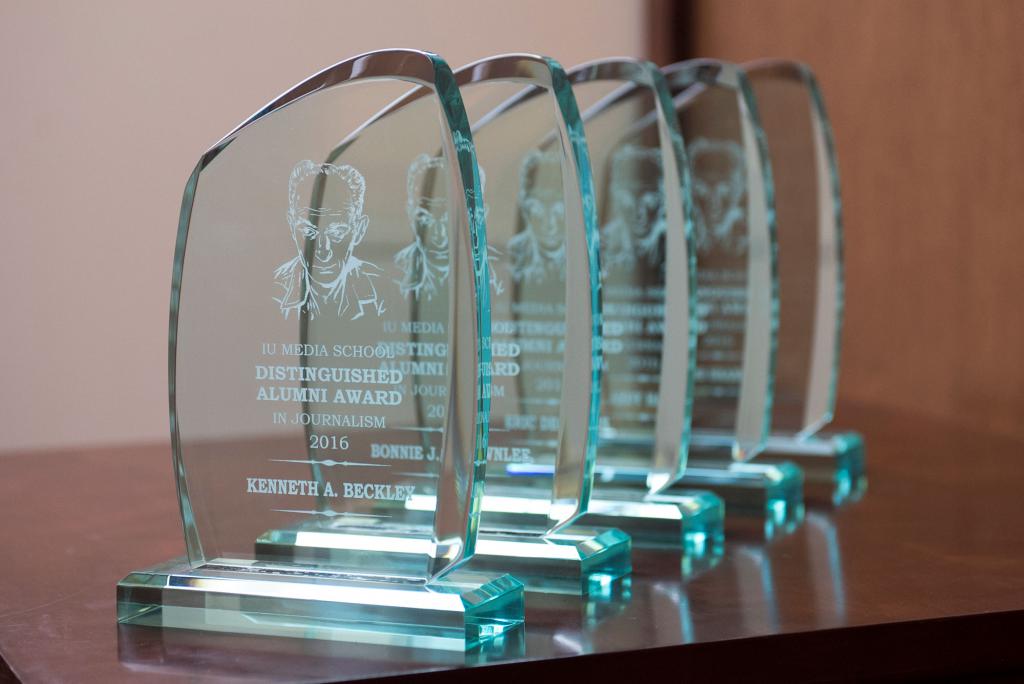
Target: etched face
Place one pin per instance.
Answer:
(544, 213)
(638, 202)
(430, 221)
(331, 231)
(540, 199)
(427, 211)
(717, 182)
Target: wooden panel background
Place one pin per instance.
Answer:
(927, 101)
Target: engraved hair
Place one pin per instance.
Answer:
(418, 170)
(727, 148)
(307, 168)
(714, 223)
(635, 154)
(531, 165)
(630, 233)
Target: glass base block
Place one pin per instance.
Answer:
(577, 564)
(690, 521)
(341, 546)
(833, 464)
(459, 612)
(148, 651)
(763, 499)
(583, 561)
(580, 562)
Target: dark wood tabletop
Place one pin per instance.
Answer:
(924, 576)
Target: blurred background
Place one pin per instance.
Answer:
(108, 105)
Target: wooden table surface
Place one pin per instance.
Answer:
(924, 576)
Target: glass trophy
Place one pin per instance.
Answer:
(310, 396)
(545, 329)
(808, 218)
(737, 297)
(544, 302)
(649, 326)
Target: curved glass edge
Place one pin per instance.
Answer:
(581, 403)
(757, 388)
(582, 321)
(193, 546)
(672, 431)
(829, 310)
(470, 356)
(674, 464)
(456, 544)
(827, 149)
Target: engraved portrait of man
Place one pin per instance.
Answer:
(538, 249)
(424, 262)
(636, 223)
(719, 188)
(326, 276)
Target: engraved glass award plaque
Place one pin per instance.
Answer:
(309, 395)
(737, 295)
(808, 218)
(545, 328)
(643, 208)
(544, 308)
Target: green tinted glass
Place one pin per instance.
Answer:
(643, 203)
(808, 210)
(735, 242)
(545, 298)
(310, 390)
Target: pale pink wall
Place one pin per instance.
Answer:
(106, 106)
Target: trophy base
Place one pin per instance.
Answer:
(689, 521)
(833, 464)
(761, 499)
(456, 613)
(583, 561)
(579, 562)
